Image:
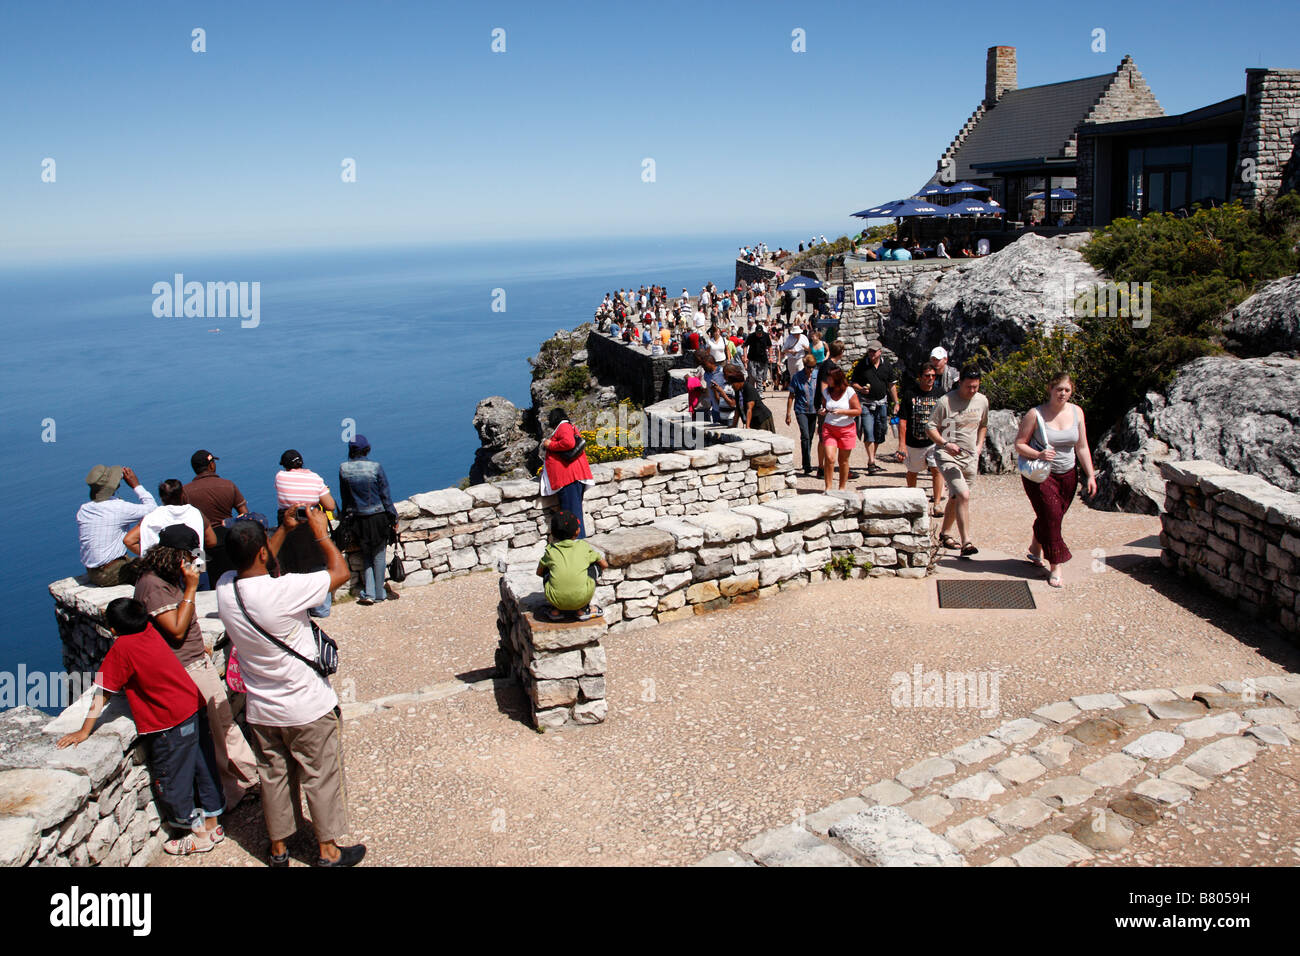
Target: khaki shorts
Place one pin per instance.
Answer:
(920, 459)
(959, 473)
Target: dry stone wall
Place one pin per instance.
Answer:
(1238, 534)
(89, 805)
(677, 567)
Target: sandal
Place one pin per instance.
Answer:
(591, 611)
(551, 615)
(936, 511)
(969, 549)
(1054, 579)
(186, 845)
(1036, 560)
(948, 541)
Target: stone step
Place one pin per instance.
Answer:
(1072, 783)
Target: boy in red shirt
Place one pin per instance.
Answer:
(171, 716)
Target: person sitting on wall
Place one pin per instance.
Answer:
(104, 519)
(568, 573)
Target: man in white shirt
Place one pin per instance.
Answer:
(103, 520)
(793, 348)
(292, 711)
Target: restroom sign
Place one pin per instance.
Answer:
(864, 293)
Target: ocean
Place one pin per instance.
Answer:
(400, 343)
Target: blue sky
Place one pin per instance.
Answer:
(159, 148)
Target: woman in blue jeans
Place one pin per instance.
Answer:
(368, 504)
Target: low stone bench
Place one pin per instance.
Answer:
(561, 666)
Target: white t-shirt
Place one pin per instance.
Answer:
(165, 516)
(718, 347)
(795, 345)
(282, 690)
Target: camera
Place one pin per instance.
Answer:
(301, 512)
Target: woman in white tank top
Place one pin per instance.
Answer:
(1061, 423)
(841, 409)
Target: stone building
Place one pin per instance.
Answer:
(1240, 148)
(1019, 140)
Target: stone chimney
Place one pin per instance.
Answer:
(999, 73)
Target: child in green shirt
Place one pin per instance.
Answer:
(568, 572)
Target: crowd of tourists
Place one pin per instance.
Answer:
(746, 341)
(270, 582)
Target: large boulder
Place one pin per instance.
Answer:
(1026, 289)
(1267, 322)
(1240, 413)
(504, 447)
(999, 455)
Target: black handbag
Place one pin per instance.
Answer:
(396, 569)
(570, 456)
(327, 651)
(344, 535)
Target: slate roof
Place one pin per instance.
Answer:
(1030, 123)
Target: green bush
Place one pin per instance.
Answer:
(1199, 267)
(575, 380)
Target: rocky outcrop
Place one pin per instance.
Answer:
(995, 302)
(505, 449)
(999, 454)
(1267, 322)
(1239, 413)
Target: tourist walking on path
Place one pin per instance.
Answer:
(959, 424)
(793, 348)
(839, 427)
(913, 422)
(293, 713)
(216, 498)
(565, 470)
(168, 583)
(1054, 432)
(757, 347)
(104, 519)
(876, 384)
(744, 399)
(803, 391)
(368, 505)
(816, 346)
(297, 487)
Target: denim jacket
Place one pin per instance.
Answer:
(364, 488)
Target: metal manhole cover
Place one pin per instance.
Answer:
(986, 595)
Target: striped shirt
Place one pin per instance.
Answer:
(101, 525)
(301, 486)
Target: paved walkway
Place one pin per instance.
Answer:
(733, 724)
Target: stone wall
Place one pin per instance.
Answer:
(858, 324)
(678, 567)
(753, 272)
(642, 376)
(1269, 135)
(88, 805)
(1237, 533)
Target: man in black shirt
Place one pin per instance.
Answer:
(758, 348)
(913, 421)
(876, 383)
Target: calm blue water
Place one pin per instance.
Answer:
(402, 341)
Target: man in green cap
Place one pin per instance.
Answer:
(104, 519)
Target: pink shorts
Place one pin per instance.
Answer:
(844, 437)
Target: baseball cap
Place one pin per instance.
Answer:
(939, 352)
(179, 536)
(199, 460)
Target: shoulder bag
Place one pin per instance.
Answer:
(570, 455)
(396, 570)
(327, 651)
(1037, 469)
